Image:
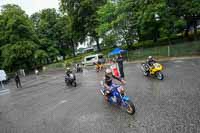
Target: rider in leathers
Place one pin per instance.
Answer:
(150, 62)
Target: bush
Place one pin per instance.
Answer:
(56, 65)
(67, 63)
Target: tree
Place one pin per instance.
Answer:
(45, 27)
(41, 57)
(19, 55)
(63, 35)
(18, 40)
(76, 22)
(88, 11)
(118, 18)
(189, 10)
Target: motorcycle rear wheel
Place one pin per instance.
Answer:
(74, 84)
(67, 83)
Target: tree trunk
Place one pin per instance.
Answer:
(155, 36)
(73, 49)
(98, 45)
(169, 40)
(187, 29)
(195, 29)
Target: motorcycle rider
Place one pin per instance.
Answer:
(68, 72)
(150, 62)
(98, 65)
(70, 78)
(109, 85)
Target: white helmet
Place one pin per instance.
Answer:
(150, 57)
(68, 68)
(108, 71)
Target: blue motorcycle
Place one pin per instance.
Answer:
(119, 98)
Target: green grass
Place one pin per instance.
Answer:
(56, 65)
(183, 49)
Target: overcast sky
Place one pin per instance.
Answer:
(32, 6)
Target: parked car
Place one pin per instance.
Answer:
(91, 59)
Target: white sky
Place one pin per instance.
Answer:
(32, 6)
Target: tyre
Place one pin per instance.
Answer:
(160, 75)
(67, 83)
(145, 73)
(144, 70)
(131, 108)
(74, 83)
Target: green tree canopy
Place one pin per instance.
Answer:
(17, 38)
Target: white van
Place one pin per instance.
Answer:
(91, 59)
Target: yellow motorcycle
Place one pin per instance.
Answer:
(154, 70)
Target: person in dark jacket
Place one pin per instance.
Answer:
(108, 82)
(150, 61)
(120, 61)
(17, 81)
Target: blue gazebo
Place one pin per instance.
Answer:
(117, 51)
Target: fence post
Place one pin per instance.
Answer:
(168, 51)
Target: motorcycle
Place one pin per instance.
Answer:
(99, 67)
(70, 80)
(118, 97)
(154, 70)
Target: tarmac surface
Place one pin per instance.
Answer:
(46, 105)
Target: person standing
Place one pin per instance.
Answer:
(17, 80)
(120, 60)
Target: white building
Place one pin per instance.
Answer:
(88, 43)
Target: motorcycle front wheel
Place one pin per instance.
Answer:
(144, 70)
(145, 73)
(160, 75)
(130, 108)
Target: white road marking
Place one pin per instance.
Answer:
(178, 61)
(177, 65)
(55, 106)
(63, 101)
